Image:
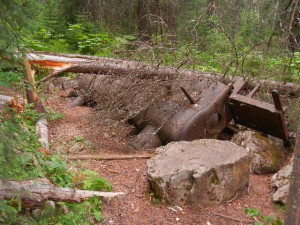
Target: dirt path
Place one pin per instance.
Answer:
(81, 133)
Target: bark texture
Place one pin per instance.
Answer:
(34, 193)
(43, 132)
(109, 66)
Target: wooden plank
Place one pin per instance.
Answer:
(292, 216)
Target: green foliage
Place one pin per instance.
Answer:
(16, 20)
(88, 212)
(9, 210)
(18, 141)
(57, 171)
(9, 78)
(265, 220)
(18, 145)
(94, 182)
(79, 139)
(79, 39)
(52, 115)
(10, 72)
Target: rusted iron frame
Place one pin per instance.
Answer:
(239, 103)
(292, 215)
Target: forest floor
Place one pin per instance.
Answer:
(138, 206)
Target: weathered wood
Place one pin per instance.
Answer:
(5, 100)
(55, 73)
(43, 132)
(34, 193)
(109, 157)
(292, 216)
(40, 56)
(31, 93)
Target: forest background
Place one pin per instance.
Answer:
(256, 38)
(251, 38)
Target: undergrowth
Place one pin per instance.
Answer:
(19, 149)
(220, 55)
(262, 219)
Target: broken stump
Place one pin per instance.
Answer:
(199, 173)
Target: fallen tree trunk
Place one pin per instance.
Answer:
(34, 193)
(109, 66)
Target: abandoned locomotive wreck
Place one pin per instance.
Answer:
(180, 114)
(147, 112)
(167, 104)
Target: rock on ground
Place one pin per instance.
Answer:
(266, 154)
(281, 181)
(202, 172)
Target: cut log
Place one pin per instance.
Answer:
(109, 157)
(34, 193)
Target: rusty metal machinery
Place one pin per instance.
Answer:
(174, 120)
(207, 113)
(261, 116)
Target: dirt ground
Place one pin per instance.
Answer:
(80, 132)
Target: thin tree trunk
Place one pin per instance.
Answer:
(143, 23)
(237, 19)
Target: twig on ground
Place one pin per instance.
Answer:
(232, 218)
(109, 157)
(249, 186)
(231, 200)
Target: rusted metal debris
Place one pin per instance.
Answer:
(208, 114)
(292, 215)
(172, 120)
(262, 116)
(200, 109)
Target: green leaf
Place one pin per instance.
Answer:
(252, 212)
(98, 215)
